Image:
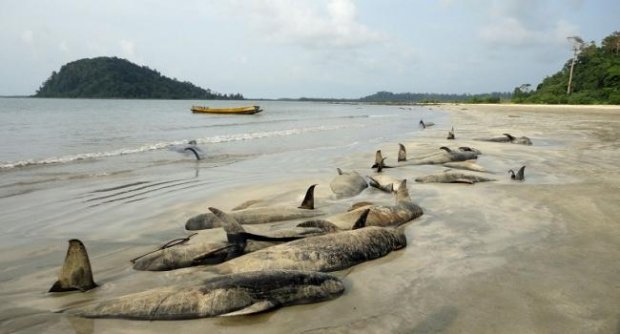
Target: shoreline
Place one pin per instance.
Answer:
(501, 107)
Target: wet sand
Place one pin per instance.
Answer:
(541, 255)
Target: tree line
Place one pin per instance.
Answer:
(591, 76)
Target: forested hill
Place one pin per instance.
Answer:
(383, 96)
(595, 80)
(111, 77)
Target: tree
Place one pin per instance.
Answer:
(578, 45)
(611, 43)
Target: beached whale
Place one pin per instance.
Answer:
(75, 273)
(212, 248)
(403, 211)
(520, 176)
(348, 184)
(466, 165)
(190, 147)
(447, 155)
(329, 252)
(229, 295)
(259, 215)
(452, 177)
(426, 124)
(508, 138)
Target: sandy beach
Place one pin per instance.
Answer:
(538, 256)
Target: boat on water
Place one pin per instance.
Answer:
(237, 110)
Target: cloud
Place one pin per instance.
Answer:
(128, 48)
(63, 47)
(523, 23)
(27, 37)
(307, 24)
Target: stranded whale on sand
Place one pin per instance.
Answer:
(452, 177)
(208, 247)
(508, 138)
(402, 211)
(259, 215)
(329, 252)
(348, 184)
(229, 295)
(447, 155)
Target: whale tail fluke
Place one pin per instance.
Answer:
(76, 273)
(308, 202)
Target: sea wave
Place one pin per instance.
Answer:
(271, 121)
(166, 145)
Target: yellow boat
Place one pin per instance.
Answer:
(238, 110)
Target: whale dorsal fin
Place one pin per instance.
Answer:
(511, 137)
(230, 224)
(378, 159)
(402, 153)
(193, 150)
(520, 174)
(232, 228)
(308, 202)
(445, 149)
(361, 220)
(76, 273)
(402, 193)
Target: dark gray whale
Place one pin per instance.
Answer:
(229, 295)
(260, 215)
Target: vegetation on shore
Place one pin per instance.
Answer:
(111, 77)
(383, 97)
(595, 78)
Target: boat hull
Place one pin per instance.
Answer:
(238, 110)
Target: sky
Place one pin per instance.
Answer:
(305, 48)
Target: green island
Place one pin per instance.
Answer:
(112, 77)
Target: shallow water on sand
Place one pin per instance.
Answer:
(505, 256)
